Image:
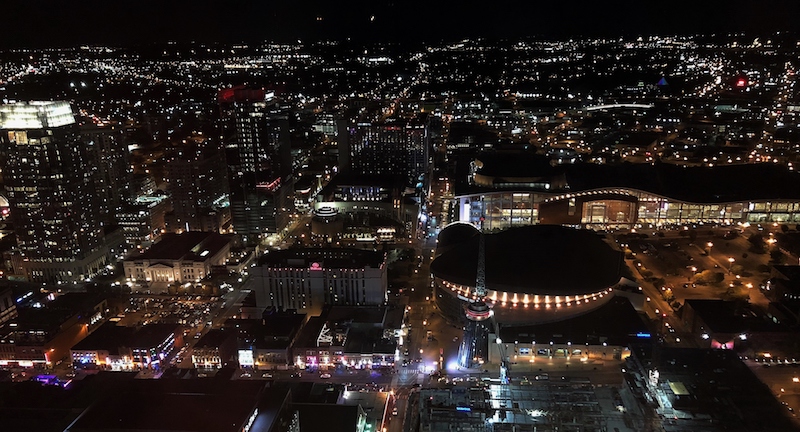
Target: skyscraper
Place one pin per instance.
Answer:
(113, 170)
(394, 147)
(258, 155)
(49, 176)
(198, 186)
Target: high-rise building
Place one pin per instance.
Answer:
(197, 185)
(391, 147)
(258, 155)
(50, 180)
(113, 169)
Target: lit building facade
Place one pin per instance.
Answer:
(183, 258)
(534, 274)
(112, 165)
(143, 221)
(307, 279)
(8, 307)
(51, 184)
(627, 196)
(353, 337)
(258, 155)
(196, 184)
(115, 347)
(391, 148)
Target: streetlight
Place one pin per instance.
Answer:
(694, 271)
(710, 245)
(730, 263)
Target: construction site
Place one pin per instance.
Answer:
(539, 405)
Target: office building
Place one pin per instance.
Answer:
(258, 155)
(197, 185)
(394, 147)
(113, 173)
(143, 221)
(51, 184)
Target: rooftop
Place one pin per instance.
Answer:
(320, 417)
(615, 323)
(724, 394)
(721, 184)
(731, 317)
(323, 258)
(537, 259)
(35, 115)
(110, 337)
(214, 338)
(187, 246)
(162, 405)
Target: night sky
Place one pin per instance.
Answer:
(41, 23)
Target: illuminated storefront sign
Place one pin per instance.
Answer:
(246, 358)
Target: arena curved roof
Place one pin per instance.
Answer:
(536, 259)
(454, 234)
(721, 184)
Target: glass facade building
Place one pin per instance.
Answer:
(612, 208)
(50, 179)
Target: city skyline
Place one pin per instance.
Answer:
(400, 217)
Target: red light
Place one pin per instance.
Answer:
(741, 82)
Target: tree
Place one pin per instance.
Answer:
(737, 269)
(693, 235)
(709, 277)
(784, 228)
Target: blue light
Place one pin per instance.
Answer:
(467, 409)
(643, 335)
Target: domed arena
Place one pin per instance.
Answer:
(534, 274)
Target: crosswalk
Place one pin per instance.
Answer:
(408, 376)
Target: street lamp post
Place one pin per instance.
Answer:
(710, 245)
(730, 264)
(694, 272)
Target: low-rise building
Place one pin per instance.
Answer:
(41, 333)
(214, 349)
(358, 337)
(266, 343)
(181, 258)
(603, 334)
(184, 405)
(734, 325)
(115, 347)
